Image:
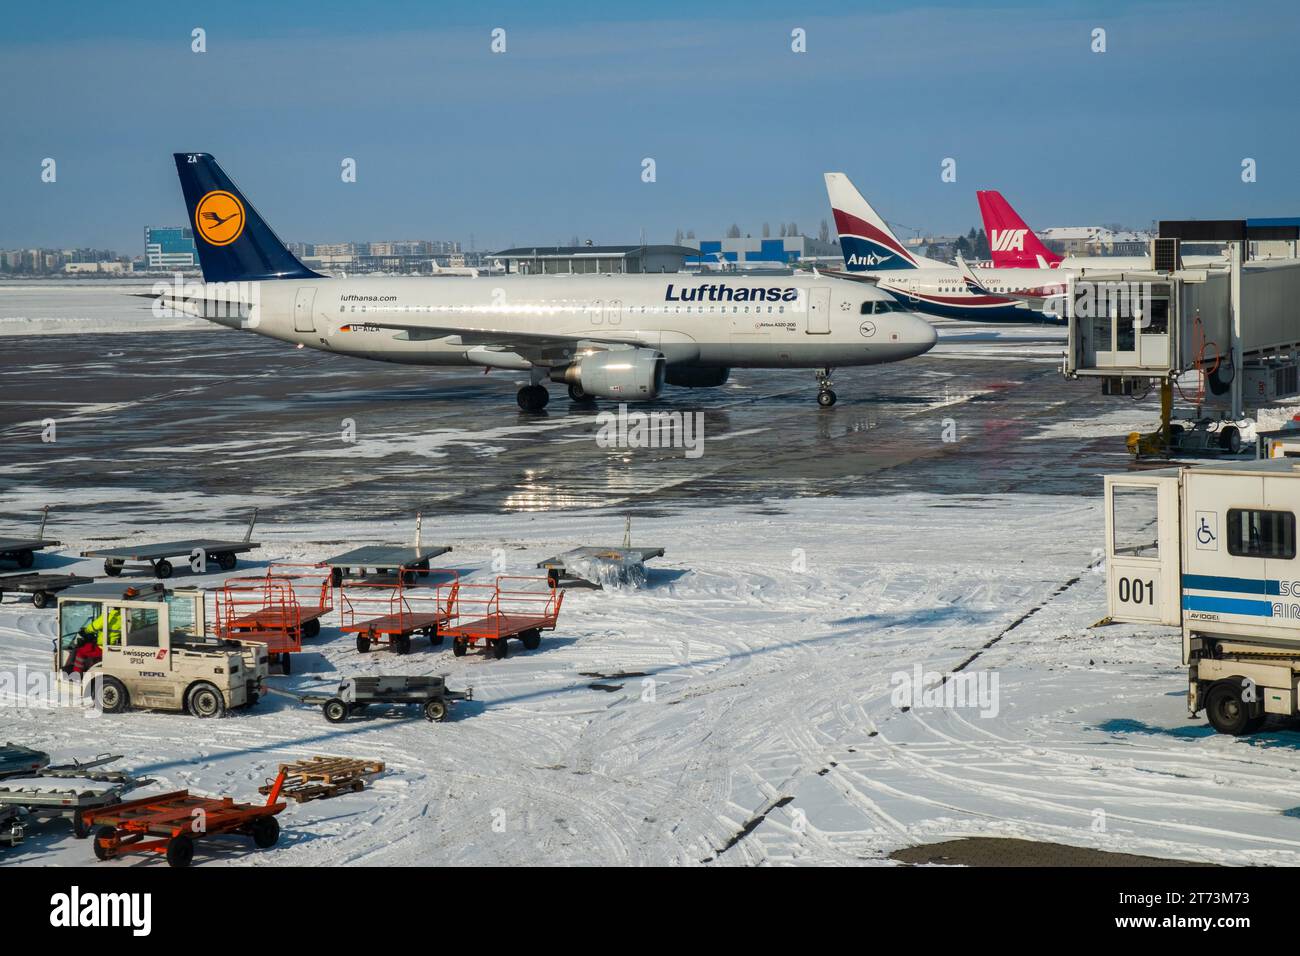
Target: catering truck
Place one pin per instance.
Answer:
(1211, 549)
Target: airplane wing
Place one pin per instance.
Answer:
(1038, 296)
(541, 348)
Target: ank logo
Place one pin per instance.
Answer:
(869, 260)
(219, 218)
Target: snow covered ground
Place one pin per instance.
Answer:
(761, 719)
(79, 306)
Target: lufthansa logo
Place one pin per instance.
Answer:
(867, 328)
(219, 218)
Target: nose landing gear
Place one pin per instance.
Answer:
(533, 398)
(825, 396)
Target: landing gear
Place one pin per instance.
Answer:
(825, 397)
(578, 396)
(533, 398)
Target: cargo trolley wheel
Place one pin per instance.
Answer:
(180, 850)
(112, 568)
(532, 639)
(266, 832)
(459, 646)
(363, 644)
(41, 598)
(336, 576)
(105, 842)
(163, 569)
(335, 710)
(435, 709)
(500, 648)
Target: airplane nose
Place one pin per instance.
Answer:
(922, 333)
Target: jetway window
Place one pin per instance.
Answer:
(1135, 521)
(1261, 534)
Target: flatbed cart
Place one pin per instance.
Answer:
(22, 551)
(268, 609)
(493, 614)
(354, 694)
(601, 565)
(383, 560)
(49, 796)
(159, 554)
(41, 585)
(391, 612)
(171, 823)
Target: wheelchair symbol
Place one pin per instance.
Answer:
(1204, 534)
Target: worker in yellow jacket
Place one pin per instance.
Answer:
(95, 628)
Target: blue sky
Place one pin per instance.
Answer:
(546, 140)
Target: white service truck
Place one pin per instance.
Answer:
(1211, 548)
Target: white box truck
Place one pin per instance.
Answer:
(1212, 549)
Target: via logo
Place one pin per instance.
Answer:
(1009, 240)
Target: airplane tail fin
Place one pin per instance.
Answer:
(235, 244)
(1012, 244)
(866, 241)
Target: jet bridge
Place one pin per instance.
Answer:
(1226, 339)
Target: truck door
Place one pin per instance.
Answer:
(1143, 560)
(146, 660)
(303, 303)
(819, 311)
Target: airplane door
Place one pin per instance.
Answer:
(819, 311)
(302, 310)
(597, 311)
(614, 312)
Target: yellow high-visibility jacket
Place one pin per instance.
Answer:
(114, 627)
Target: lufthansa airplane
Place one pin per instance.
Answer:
(872, 250)
(616, 337)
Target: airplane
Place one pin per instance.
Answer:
(617, 337)
(872, 250)
(1013, 245)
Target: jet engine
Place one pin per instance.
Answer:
(630, 374)
(694, 376)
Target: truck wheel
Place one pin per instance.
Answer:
(335, 710)
(112, 569)
(204, 700)
(110, 694)
(500, 648)
(363, 643)
(1226, 711)
(266, 832)
(25, 559)
(163, 569)
(41, 598)
(459, 646)
(105, 835)
(532, 639)
(180, 851)
(435, 709)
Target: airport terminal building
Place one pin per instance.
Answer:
(575, 260)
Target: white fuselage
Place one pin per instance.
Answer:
(794, 321)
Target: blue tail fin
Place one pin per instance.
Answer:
(235, 244)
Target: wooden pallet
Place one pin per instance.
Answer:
(321, 777)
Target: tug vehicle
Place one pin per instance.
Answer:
(154, 651)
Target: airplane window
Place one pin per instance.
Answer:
(781, 308)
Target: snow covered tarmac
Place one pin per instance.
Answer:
(746, 705)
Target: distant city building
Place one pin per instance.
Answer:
(93, 268)
(1095, 241)
(395, 255)
(169, 248)
(570, 260)
(774, 253)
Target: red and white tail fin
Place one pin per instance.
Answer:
(1012, 244)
